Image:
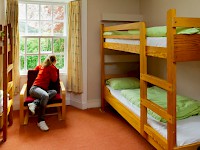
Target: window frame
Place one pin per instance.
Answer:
(39, 36)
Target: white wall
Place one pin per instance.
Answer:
(188, 73)
(2, 12)
(95, 10)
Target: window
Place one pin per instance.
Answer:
(42, 30)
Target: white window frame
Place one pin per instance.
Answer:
(46, 2)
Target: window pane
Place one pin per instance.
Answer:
(46, 27)
(58, 12)
(58, 45)
(22, 12)
(45, 44)
(60, 61)
(32, 11)
(32, 62)
(22, 45)
(22, 27)
(33, 27)
(22, 63)
(42, 58)
(32, 45)
(58, 27)
(46, 12)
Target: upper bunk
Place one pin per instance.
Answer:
(132, 38)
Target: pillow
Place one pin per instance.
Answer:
(161, 31)
(134, 32)
(180, 30)
(116, 33)
(123, 83)
(108, 33)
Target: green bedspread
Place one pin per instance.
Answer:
(185, 107)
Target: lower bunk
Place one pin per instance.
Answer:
(188, 133)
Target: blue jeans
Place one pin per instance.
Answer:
(42, 98)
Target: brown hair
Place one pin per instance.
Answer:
(49, 60)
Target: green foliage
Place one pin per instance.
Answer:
(58, 45)
(46, 46)
(32, 62)
(21, 45)
(60, 61)
(32, 45)
(21, 62)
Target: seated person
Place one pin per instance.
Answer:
(39, 90)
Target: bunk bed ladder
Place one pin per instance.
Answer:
(170, 86)
(7, 79)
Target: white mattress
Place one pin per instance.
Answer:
(1, 101)
(151, 41)
(188, 130)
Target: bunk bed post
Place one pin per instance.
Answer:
(10, 61)
(5, 78)
(102, 69)
(1, 51)
(143, 84)
(171, 78)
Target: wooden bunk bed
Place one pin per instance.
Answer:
(6, 52)
(179, 48)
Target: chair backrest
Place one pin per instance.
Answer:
(32, 74)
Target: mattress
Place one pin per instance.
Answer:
(151, 41)
(187, 129)
(1, 101)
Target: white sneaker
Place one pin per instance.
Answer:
(43, 126)
(31, 107)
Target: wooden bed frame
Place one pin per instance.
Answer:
(6, 50)
(179, 48)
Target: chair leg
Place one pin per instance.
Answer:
(21, 116)
(26, 117)
(63, 112)
(59, 113)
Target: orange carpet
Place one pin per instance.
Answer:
(88, 129)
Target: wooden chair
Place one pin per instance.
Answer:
(57, 101)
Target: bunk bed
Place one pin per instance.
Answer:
(6, 115)
(178, 48)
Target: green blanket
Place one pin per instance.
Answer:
(185, 106)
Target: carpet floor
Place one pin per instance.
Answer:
(88, 129)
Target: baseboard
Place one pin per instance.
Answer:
(77, 104)
(93, 103)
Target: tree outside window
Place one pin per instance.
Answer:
(42, 29)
